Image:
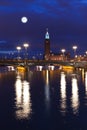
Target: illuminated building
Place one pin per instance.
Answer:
(47, 46)
(52, 56)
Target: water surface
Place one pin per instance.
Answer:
(43, 100)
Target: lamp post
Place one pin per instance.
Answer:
(18, 48)
(74, 48)
(26, 45)
(63, 51)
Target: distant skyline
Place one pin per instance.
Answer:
(66, 21)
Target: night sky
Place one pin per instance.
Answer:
(66, 21)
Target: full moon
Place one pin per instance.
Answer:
(24, 19)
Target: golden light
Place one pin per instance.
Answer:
(47, 77)
(83, 75)
(47, 90)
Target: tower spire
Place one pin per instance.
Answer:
(47, 34)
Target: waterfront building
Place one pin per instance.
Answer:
(47, 46)
(48, 55)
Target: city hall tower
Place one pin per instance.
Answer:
(47, 46)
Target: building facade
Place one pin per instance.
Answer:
(52, 56)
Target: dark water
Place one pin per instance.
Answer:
(43, 100)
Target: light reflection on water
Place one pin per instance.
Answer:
(63, 92)
(86, 83)
(75, 97)
(47, 90)
(83, 75)
(58, 96)
(23, 96)
(23, 99)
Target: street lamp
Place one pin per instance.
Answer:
(63, 51)
(18, 48)
(26, 45)
(86, 53)
(74, 48)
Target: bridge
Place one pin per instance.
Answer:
(22, 62)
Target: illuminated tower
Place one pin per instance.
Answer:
(47, 45)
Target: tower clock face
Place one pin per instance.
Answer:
(47, 36)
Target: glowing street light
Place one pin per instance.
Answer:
(63, 51)
(26, 45)
(86, 53)
(18, 48)
(74, 48)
